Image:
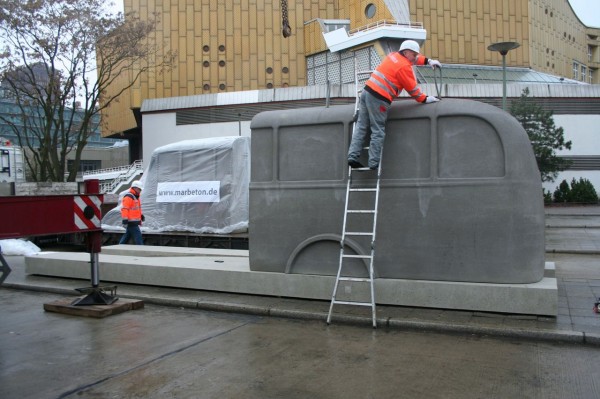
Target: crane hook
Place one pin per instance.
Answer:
(286, 29)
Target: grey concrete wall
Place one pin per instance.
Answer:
(460, 200)
(7, 189)
(53, 188)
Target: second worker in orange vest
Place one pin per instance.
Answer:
(131, 214)
(394, 74)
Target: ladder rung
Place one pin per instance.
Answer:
(358, 256)
(362, 169)
(353, 303)
(356, 279)
(363, 189)
(361, 211)
(359, 233)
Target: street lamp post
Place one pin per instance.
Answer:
(503, 48)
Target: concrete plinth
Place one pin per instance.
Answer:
(229, 271)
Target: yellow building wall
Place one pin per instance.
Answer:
(117, 116)
(593, 40)
(354, 10)
(222, 46)
(459, 31)
(313, 38)
(557, 38)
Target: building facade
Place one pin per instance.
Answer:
(233, 62)
(233, 46)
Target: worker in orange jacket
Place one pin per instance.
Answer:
(394, 74)
(131, 214)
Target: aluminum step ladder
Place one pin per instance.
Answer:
(354, 191)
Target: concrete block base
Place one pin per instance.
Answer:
(229, 271)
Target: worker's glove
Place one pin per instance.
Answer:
(431, 99)
(125, 222)
(143, 218)
(435, 64)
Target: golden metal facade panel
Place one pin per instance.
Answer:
(557, 37)
(313, 38)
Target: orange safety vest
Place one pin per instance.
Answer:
(131, 209)
(394, 74)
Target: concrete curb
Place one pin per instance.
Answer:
(556, 336)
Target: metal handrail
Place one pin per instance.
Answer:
(127, 173)
(114, 169)
(384, 22)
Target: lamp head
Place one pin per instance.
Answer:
(503, 47)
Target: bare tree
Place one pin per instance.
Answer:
(59, 57)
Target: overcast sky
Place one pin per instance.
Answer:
(588, 11)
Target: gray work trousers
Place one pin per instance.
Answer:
(372, 113)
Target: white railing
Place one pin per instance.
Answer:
(378, 24)
(126, 175)
(116, 169)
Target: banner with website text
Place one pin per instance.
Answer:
(188, 191)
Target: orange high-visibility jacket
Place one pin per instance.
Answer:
(394, 74)
(131, 209)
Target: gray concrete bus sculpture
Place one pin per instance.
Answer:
(461, 195)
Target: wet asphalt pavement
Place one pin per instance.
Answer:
(184, 351)
(167, 352)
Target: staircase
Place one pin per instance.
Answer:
(112, 180)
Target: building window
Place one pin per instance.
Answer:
(370, 10)
(85, 164)
(335, 27)
(590, 52)
(575, 71)
(335, 24)
(591, 76)
(583, 72)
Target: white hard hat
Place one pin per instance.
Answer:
(410, 45)
(137, 184)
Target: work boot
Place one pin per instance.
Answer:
(355, 164)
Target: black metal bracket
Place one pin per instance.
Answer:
(96, 296)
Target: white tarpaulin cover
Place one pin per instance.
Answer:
(195, 185)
